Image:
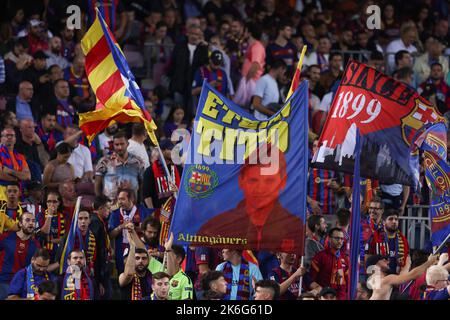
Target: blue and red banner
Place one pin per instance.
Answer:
(244, 182)
(433, 143)
(388, 114)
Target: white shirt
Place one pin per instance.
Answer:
(267, 89)
(325, 104)
(138, 149)
(394, 47)
(191, 48)
(81, 161)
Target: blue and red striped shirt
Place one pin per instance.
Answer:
(319, 190)
(15, 254)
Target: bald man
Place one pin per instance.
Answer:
(22, 105)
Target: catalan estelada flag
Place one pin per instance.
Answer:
(296, 79)
(113, 83)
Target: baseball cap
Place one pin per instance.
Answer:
(373, 260)
(35, 22)
(216, 57)
(327, 290)
(35, 185)
(166, 144)
(40, 55)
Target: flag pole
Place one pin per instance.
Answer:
(300, 281)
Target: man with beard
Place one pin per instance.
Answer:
(24, 285)
(315, 240)
(282, 47)
(151, 228)
(286, 277)
(120, 169)
(54, 54)
(47, 132)
(381, 279)
(16, 251)
(329, 268)
(76, 283)
(106, 137)
(157, 185)
(389, 241)
(127, 218)
(136, 280)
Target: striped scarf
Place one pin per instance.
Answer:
(88, 245)
(77, 289)
(243, 289)
(57, 230)
(337, 271)
(136, 288)
(382, 246)
(162, 181)
(12, 160)
(165, 219)
(32, 289)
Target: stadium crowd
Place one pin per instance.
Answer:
(248, 51)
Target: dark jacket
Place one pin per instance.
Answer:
(181, 73)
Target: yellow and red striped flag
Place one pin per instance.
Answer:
(296, 79)
(112, 82)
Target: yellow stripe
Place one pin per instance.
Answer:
(92, 36)
(299, 67)
(102, 72)
(117, 98)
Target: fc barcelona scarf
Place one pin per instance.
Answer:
(32, 289)
(88, 246)
(165, 219)
(243, 290)
(382, 246)
(11, 160)
(207, 74)
(77, 289)
(136, 288)
(162, 181)
(57, 230)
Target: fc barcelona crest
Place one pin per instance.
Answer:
(200, 181)
(419, 116)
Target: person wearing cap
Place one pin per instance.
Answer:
(36, 35)
(157, 188)
(390, 241)
(328, 293)
(37, 72)
(213, 73)
(382, 281)
(266, 97)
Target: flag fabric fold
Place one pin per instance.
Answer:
(112, 82)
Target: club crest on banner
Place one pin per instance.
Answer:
(419, 116)
(200, 181)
